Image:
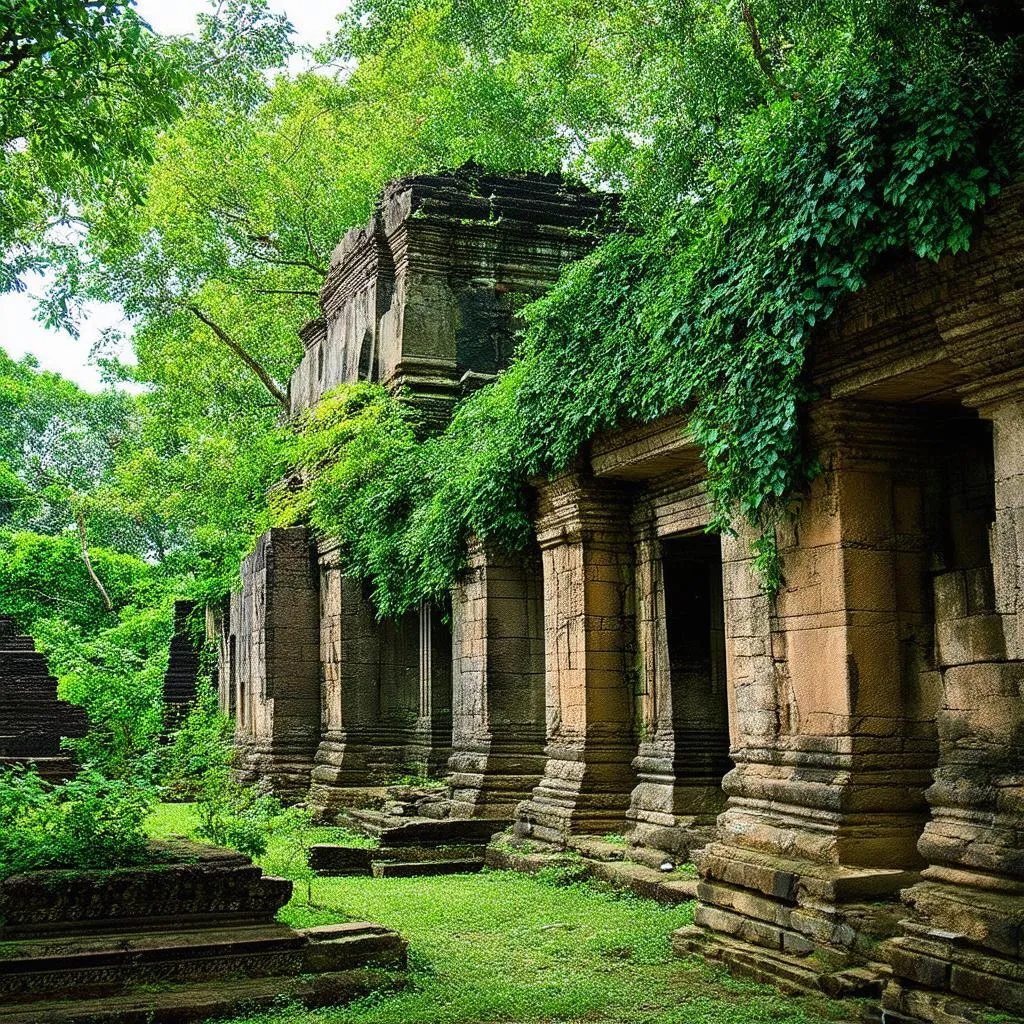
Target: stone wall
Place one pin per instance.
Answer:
(423, 300)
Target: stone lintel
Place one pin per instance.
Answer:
(645, 452)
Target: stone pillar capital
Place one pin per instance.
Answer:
(573, 507)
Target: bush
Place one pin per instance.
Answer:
(201, 745)
(90, 821)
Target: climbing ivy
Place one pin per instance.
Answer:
(709, 310)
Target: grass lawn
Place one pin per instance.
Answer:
(502, 947)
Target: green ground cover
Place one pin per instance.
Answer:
(503, 947)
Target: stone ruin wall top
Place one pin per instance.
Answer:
(424, 293)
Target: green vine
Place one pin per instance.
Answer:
(710, 311)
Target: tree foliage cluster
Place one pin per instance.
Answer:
(827, 136)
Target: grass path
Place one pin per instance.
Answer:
(502, 947)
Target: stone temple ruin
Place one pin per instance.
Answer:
(844, 762)
(34, 720)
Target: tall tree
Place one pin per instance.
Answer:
(83, 84)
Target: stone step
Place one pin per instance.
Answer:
(94, 966)
(407, 869)
(662, 886)
(596, 848)
(188, 1003)
(337, 860)
(100, 967)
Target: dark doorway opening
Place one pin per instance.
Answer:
(695, 628)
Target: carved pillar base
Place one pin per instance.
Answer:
(960, 958)
(279, 766)
(489, 779)
(585, 790)
(671, 809)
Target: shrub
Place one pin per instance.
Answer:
(91, 821)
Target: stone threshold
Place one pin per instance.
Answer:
(593, 859)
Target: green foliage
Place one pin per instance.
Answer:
(82, 86)
(201, 766)
(110, 662)
(868, 134)
(116, 674)
(91, 821)
(42, 577)
(234, 815)
(201, 745)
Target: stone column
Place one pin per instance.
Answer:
(961, 952)
(374, 724)
(833, 700)
(279, 662)
(350, 713)
(679, 796)
(589, 629)
(498, 683)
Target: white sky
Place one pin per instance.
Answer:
(57, 350)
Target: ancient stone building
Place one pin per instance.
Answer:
(32, 720)
(844, 761)
(422, 299)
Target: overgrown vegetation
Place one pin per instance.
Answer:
(862, 130)
(500, 946)
(89, 821)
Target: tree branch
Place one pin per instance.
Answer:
(80, 519)
(264, 378)
(759, 54)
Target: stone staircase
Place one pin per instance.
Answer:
(189, 937)
(32, 719)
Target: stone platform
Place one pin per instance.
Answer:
(405, 846)
(960, 957)
(191, 936)
(589, 858)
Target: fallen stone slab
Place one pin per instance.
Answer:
(407, 869)
(331, 859)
